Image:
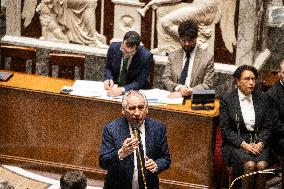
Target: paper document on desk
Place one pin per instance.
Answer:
(89, 88)
(160, 96)
(92, 89)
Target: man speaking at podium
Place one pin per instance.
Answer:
(134, 159)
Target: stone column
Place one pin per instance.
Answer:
(13, 17)
(126, 17)
(247, 31)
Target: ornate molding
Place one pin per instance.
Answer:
(128, 2)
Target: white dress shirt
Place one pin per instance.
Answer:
(135, 184)
(247, 109)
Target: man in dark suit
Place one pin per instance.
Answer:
(127, 66)
(276, 98)
(189, 67)
(120, 147)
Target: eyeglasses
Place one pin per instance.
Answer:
(247, 79)
(129, 53)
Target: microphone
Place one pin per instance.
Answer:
(135, 131)
(139, 153)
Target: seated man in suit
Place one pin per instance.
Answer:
(276, 100)
(189, 67)
(121, 149)
(127, 65)
(73, 180)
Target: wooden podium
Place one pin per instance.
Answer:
(41, 128)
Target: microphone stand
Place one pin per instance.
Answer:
(266, 171)
(136, 133)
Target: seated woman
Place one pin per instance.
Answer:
(245, 128)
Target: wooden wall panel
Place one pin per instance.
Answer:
(52, 131)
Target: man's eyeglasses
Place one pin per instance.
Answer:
(129, 53)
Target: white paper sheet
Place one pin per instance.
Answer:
(96, 89)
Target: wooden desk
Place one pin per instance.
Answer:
(41, 127)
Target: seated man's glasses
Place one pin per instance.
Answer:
(127, 51)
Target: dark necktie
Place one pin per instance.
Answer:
(140, 160)
(123, 71)
(183, 74)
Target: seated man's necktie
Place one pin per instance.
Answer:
(123, 71)
(184, 70)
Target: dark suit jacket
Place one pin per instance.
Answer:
(120, 172)
(138, 71)
(276, 102)
(202, 70)
(230, 107)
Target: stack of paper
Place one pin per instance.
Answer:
(96, 89)
(160, 96)
(88, 88)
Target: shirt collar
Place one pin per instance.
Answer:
(192, 53)
(141, 127)
(243, 97)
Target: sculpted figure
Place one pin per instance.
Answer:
(50, 28)
(202, 12)
(66, 20)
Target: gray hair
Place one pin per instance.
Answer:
(132, 93)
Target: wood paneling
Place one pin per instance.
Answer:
(41, 127)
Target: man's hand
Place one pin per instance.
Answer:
(151, 165)
(129, 145)
(185, 91)
(108, 84)
(114, 91)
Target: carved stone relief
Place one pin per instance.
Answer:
(204, 12)
(276, 16)
(66, 21)
(127, 23)
(126, 18)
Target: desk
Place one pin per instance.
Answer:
(41, 127)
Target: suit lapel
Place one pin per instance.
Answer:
(117, 62)
(134, 60)
(196, 63)
(237, 107)
(257, 108)
(125, 133)
(148, 136)
(177, 64)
